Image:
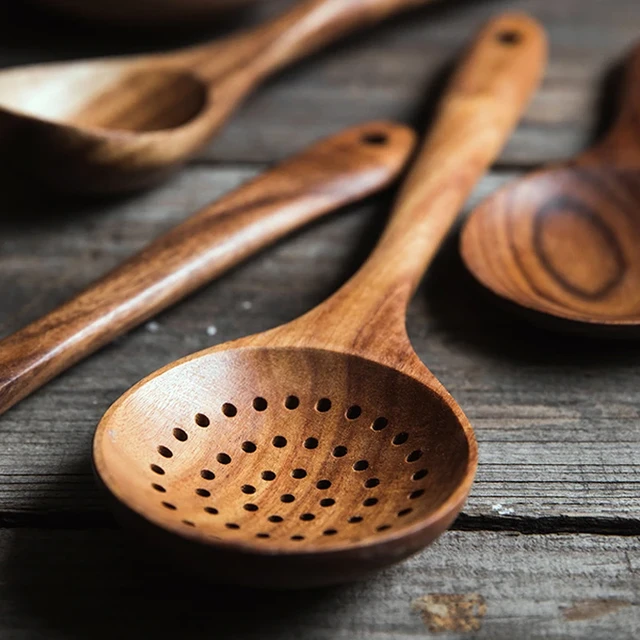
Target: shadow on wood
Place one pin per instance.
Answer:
(106, 587)
(484, 322)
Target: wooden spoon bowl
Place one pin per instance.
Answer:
(562, 244)
(111, 125)
(319, 451)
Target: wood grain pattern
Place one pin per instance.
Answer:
(322, 450)
(124, 123)
(555, 417)
(563, 241)
(331, 174)
(590, 590)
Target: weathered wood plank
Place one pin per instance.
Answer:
(389, 73)
(556, 418)
(78, 584)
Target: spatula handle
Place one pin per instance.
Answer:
(332, 173)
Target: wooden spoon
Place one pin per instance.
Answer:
(330, 174)
(563, 244)
(324, 449)
(112, 125)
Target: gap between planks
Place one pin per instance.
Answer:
(541, 525)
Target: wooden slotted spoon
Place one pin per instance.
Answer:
(118, 124)
(324, 449)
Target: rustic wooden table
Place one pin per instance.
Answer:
(547, 546)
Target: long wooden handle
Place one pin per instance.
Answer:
(485, 100)
(307, 27)
(332, 173)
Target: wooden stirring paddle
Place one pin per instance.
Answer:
(330, 174)
(324, 449)
(563, 244)
(117, 124)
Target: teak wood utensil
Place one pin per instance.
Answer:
(117, 124)
(563, 243)
(330, 174)
(324, 449)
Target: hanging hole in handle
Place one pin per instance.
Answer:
(375, 138)
(509, 37)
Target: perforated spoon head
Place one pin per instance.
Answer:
(322, 450)
(294, 467)
(562, 244)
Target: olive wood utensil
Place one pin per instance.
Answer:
(117, 124)
(562, 244)
(321, 450)
(330, 174)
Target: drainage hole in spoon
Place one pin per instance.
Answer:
(202, 420)
(379, 424)
(292, 402)
(180, 435)
(311, 443)
(229, 410)
(260, 404)
(400, 438)
(353, 412)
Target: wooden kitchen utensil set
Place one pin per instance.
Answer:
(324, 449)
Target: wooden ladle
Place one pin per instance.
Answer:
(563, 244)
(111, 125)
(324, 449)
(332, 173)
